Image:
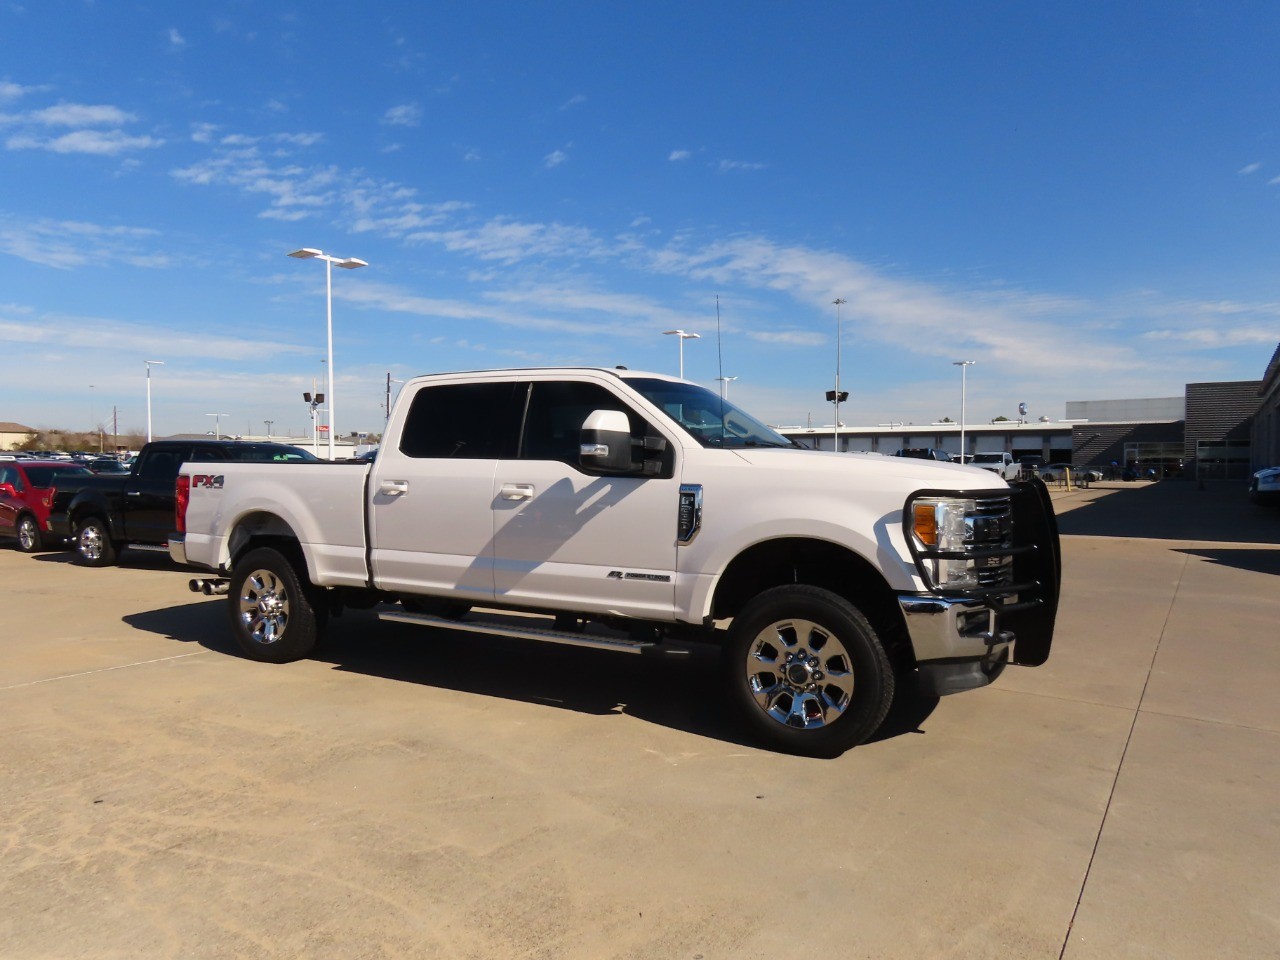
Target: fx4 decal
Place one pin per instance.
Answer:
(207, 481)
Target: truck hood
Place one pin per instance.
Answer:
(875, 470)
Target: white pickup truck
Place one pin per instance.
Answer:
(640, 513)
(1001, 464)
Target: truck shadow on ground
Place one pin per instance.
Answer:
(1256, 561)
(684, 693)
(1175, 510)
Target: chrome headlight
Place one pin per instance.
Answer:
(939, 528)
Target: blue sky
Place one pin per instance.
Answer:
(1081, 197)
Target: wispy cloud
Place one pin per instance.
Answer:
(71, 243)
(576, 100)
(727, 165)
(677, 155)
(103, 143)
(554, 159)
(405, 115)
(1248, 169)
(176, 42)
(14, 91)
(32, 126)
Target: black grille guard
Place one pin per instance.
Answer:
(1036, 554)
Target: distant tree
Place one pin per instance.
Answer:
(946, 420)
(1000, 420)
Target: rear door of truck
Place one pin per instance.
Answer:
(430, 496)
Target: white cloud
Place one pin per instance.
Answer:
(64, 244)
(175, 39)
(106, 143)
(554, 159)
(676, 155)
(576, 100)
(80, 115)
(510, 241)
(203, 132)
(1248, 169)
(726, 165)
(14, 91)
(405, 115)
(790, 338)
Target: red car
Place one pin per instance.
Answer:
(26, 493)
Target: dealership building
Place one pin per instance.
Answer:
(1214, 431)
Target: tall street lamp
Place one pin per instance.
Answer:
(268, 423)
(683, 337)
(964, 366)
(390, 381)
(347, 263)
(217, 424)
(724, 386)
(150, 364)
(837, 396)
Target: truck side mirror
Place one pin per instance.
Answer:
(605, 442)
(7, 490)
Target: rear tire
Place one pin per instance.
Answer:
(94, 546)
(807, 671)
(275, 614)
(30, 539)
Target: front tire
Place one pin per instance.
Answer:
(30, 539)
(94, 546)
(274, 613)
(807, 671)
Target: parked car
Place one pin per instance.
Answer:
(27, 489)
(924, 453)
(1264, 486)
(107, 512)
(106, 465)
(1053, 472)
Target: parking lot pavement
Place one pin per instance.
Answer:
(406, 794)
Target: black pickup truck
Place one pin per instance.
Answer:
(106, 513)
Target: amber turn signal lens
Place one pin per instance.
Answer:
(925, 524)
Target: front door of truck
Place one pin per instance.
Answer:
(430, 495)
(564, 538)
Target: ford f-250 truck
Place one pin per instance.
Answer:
(636, 512)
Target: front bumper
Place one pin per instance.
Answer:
(958, 643)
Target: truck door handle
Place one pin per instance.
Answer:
(517, 491)
(134, 493)
(394, 488)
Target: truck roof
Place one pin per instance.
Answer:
(622, 373)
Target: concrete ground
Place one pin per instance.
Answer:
(408, 794)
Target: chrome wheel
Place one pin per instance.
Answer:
(264, 607)
(28, 534)
(799, 674)
(90, 542)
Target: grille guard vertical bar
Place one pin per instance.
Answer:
(1035, 523)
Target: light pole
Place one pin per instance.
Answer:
(835, 436)
(964, 366)
(724, 386)
(390, 381)
(268, 423)
(217, 424)
(149, 365)
(683, 337)
(347, 263)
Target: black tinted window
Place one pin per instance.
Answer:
(556, 411)
(472, 421)
(161, 465)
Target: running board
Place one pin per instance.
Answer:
(508, 628)
(149, 547)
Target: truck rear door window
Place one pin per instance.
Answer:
(465, 421)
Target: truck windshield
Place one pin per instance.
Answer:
(707, 418)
